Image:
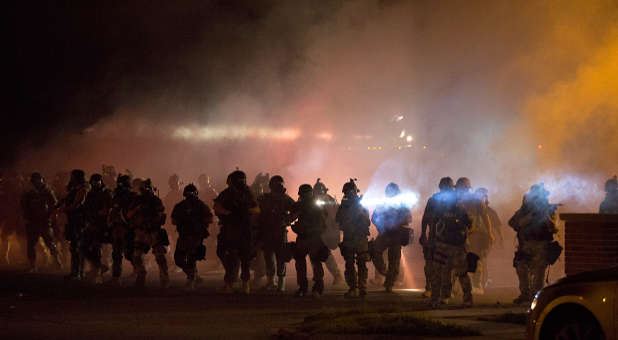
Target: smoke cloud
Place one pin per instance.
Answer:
(507, 94)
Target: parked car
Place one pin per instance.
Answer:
(581, 306)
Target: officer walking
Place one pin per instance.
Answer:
(237, 209)
(275, 208)
(74, 207)
(309, 228)
(191, 218)
(452, 228)
(147, 218)
(97, 206)
(388, 218)
(118, 222)
(353, 220)
(332, 235)
(39, 209)
(428, 227)
(535, 225)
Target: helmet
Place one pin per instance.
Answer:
(482, 192)
(190, 190)
(463, 183)
(305, 189)
(392, 189)
(96, 180)
(446, 183)
(350, 186)
(146, 185)
(237, 178)
(275, 180)
(123, 181)
(78, 176)
(319, 188)
(612, 184)
(538, 191)
(137, 183)
(37, 179)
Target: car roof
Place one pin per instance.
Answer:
(609, 274)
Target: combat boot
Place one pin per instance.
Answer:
(281, 284)
(228, 288)
(190, 285)
(362, 292)
(352, 293)
(270, 283)
(301, 292)
(246, 288)
(427, 293)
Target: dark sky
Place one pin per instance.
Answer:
(73, 62)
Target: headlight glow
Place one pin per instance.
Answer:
(534, 301)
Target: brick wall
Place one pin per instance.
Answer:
(591, 242)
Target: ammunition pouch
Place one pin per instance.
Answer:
(406, 235)
(472, 262)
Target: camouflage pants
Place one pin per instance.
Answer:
(122, 244)
(356, 253)
(390, 242)
(449, 259)
(34, 231)
(273, 258)
(236, 255)
(186, 254)
(531, 264)
(428, 255)
(144, 240)
(309, 247)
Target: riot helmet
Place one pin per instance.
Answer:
(611, 185)
(446, 183)
(463, 184)
(96, 181)
(174, 182)
(237, 179)
(78, 176)
(276, 184)
(350, 188)
(319, 188)
(190, 191)
(37, 180)
(123, 181)
(305, 190)
(392, 190)
(146, 186)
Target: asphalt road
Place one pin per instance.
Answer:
(45, 306)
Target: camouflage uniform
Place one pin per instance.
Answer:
(274, 218)
(610, 204)
(121, 234)
(309, 228)
(332, 235)
(192, 218)
(353, 220)
(452, 227)
(38, 206)
(387, 220)
(427, 239)
(235, 242)
(76, 224)
(97, 206)
(535, 225)
(147, 218)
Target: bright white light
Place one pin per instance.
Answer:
(399, 118)
(408, 199)
(319, 203)
(402, 134)
(205, 133)
(324, 136)
(409, 139)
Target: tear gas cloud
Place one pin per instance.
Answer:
(379, 90)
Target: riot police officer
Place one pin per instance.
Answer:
(428, 226)
(147, 216)
(610, 204)
(74, 207)
(191, 218)
(309, 226)
(535, 225)
(353, 220)
(122, 236)
(39, 208)
(97, 206)
(236, 208)
(332, 235)
(275, 207)
(388, 219)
